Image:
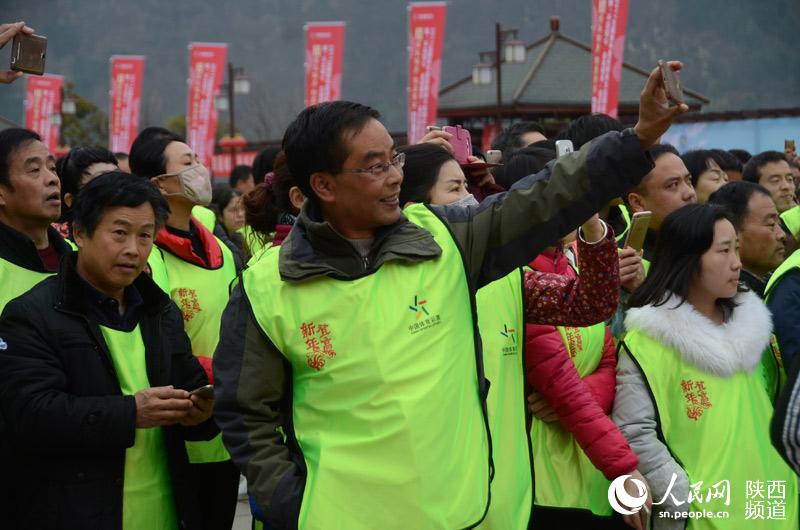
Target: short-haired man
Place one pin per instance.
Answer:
(30, 248)
(95, 374)
(242, 179)
(518, 135)
(662, 191)
(30, 200)
(762, 246)
(771, 170)
(348, 361)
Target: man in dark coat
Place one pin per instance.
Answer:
(95, 374)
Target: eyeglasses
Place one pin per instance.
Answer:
(398, 161)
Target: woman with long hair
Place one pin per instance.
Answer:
(696, 381)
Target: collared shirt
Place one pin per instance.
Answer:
(105, 310)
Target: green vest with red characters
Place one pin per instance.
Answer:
(501, 323)
(718, 430)
(202, 295)
(386, 400)
(565, 477)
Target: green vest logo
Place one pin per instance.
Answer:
(189, 305)
(510, 334)
(423, 317)
(319, 344)
(694, 392)
(574, 341)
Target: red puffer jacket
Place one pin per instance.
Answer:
(582, 405)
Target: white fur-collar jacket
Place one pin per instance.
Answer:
(722, 350)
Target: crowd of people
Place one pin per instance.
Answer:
(377, 336)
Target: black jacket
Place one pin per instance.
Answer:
(69, 424)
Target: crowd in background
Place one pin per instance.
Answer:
(383, 336)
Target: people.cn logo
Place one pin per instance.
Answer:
(617, 494)
(419, 307)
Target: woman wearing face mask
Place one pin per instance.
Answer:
(693, 391)
(199, 268)
(431, 175)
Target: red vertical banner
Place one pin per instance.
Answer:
(43, 107)
(206, 71)
(425, 40)
(124, 101)
(490, 131)
(324, 59)
(609, 18)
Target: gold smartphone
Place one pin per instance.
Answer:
(638, 230)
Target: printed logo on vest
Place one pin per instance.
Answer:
(694, 392)
(423, 317)
(510, 334)
(3, 345)
(574, 341)
(319, 344)
(188, 303)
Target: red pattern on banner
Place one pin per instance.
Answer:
(42, 101)
(609, 18)
(221, 163)
(490, 131)
(206, 70)
(425, 38)
(324, 51)
(124, 101)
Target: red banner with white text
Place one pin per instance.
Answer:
(124, 101)
(609, 18)
(425, 40)
(324, 59)
(43, 107)
(206, 71)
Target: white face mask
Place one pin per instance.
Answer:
(467, 200)
(195, 184)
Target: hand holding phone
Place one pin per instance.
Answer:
(638, 230)
(28, 53)
(461, 142)
(204, 392)
(7, 33)
(671, 82)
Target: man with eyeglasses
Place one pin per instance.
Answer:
(349, 380)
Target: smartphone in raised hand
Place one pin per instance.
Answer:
(672, 83)
(638, 230)
(461, 142)
(28, 53)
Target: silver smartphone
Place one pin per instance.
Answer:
(563, 147)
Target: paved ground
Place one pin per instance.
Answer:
(242, 521)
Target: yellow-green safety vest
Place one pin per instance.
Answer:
(201, 294)
(565, 477)
(147, 500)
(386, 394)
(206, 216)
(501, 321)
(717, 429)
(17, 281)
(626, 216)
(791, 218)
